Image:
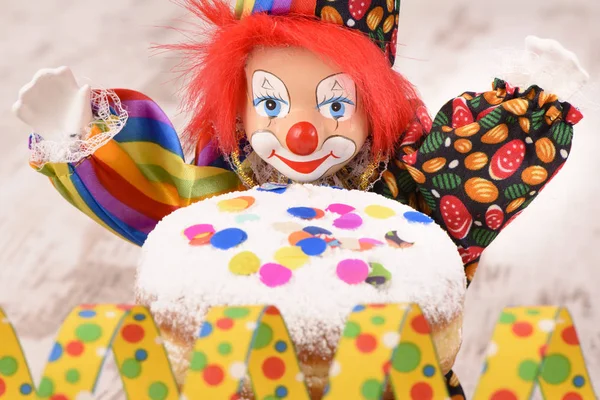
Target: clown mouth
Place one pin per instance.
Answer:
(304, 167)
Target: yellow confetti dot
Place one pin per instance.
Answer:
(244, 263)
(380, 212)
(238, 204)
(291, 257)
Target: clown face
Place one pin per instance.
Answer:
(302, 116)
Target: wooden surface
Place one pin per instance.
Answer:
(52, 258)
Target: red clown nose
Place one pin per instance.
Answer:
(302, 139)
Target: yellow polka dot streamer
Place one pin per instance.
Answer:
(371, 340)
(235, 342)
(534, 345)
(380, 344)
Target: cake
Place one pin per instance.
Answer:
(314, 252)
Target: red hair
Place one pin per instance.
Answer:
(217, 84)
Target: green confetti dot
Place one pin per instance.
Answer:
(507, 318)
(351, 330)
(406, 358)
(270, 397)
(158, 391)
(224, 348)
(72, 376)
(371, 389)
(237, 312)
(198, 362)
(263, 336)
(528, 370)
(8, 366)
(532, 312)
(378, 320)
(556, 369)
(131, 368)
(46, 387)
(88, 332)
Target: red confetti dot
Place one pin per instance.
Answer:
(213, 375)
(124, 307)
(2, 387)
(366, 343)
(235, 396)
(504, 394)
(421, 391)
(543, 350)
(74, 348)
(59, 397)
(386, 367)
(572, 396)
(273, 368)
(420, 325)
(132, 333)
(522, 329)
(272, 310)
(319, 213)
(225, 324)
(87, 306)
(377, 305)
(569, 335)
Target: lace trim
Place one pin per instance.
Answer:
(110, 118)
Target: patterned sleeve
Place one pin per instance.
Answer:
(138, 177)
(486, 158)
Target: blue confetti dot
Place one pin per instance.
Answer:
(281, 391)
(315, 230)
(429, 371)
(415, 216)
(87, 313)
(280, 346)
(326, 389)
(26, 388)
(141, 355)
(578, 381)
(56, 352)
(205, 330)
(336, 187)
(273, 187)
(312, 246)
(228, 238)
(139, 317)
(302, 212)
(358, 308)
(485, 367)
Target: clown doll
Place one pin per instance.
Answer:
(304, 91)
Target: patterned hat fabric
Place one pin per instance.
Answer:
(378, 19)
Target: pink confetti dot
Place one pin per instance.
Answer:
(339, 208)
(348, 221)
(274, 275)
(195, 230)
(352, 271)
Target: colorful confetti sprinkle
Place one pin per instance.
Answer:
(395, 241)
(237, 204)
(291, 257)
(287, 227)
(368, 243)
(315, 230)
(200, 230)
(415, 216)
(244, 263)
(240, 219)
(379, 212)
(313, 246)
(274, 275)
(273, 187)
(228, 238)
(349, 244)
(348, 221)
(302, 212)
(378, 275)
(339, 208)
(297, 236)
(352, 271)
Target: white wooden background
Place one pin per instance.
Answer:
(52, 258)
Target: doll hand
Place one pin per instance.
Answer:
(546, 63)
(53, 105)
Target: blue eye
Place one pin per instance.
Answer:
(337, 108)
(270, 106)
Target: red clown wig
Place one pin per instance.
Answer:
(216, 88)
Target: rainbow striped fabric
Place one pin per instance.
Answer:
(133, 181)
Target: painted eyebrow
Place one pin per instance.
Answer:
(336, 99)
(337, 86)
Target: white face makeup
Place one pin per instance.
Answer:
(302, 116)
